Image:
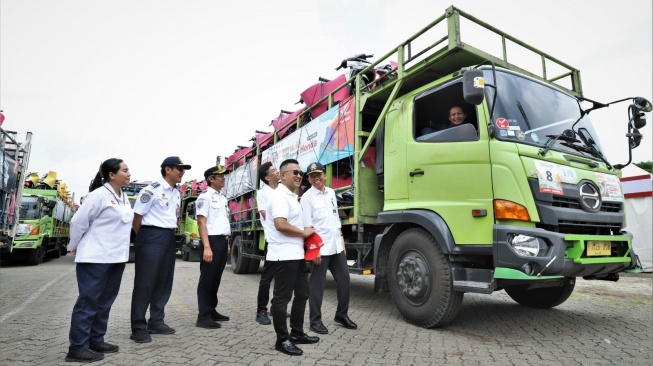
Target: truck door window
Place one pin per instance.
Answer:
(441, 115)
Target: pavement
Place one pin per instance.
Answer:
(603, 323)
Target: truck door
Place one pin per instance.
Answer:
(448, 164)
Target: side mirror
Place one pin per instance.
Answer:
(473, 86)
(51, 204)
(634, 138)
(642, 104)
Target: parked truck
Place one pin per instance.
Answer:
(520, 197)
(45, 213)
(188, 235)
(13, 165)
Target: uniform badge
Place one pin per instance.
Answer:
(155, 184)
(113, 203)
(163, 195)
(145, 198)
(200, 204)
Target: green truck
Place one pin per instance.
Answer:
(520, 197)
(44, 226)
(188, 235)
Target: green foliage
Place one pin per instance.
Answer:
(646, 165)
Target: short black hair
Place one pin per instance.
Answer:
(263, 172)
(288, 161)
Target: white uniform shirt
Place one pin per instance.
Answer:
(100, 228)
(262, 200)
(213, 205)
(320, 210)
(158, 203)
(283, 203)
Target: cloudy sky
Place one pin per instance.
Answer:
(145, 79)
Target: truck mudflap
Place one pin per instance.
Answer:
(558, 254)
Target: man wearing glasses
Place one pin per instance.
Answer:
(286, 259)
(320, 210)
(213, 223)
(155, 222)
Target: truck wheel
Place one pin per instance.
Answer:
(56, 253)
(239, 264)
(420, 280)
(253, 265)
(185, 255)
(543, 298)
(35, 256)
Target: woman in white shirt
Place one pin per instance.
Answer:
(99, 239)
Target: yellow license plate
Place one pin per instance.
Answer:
(595, 248)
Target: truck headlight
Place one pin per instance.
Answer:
(194, 243)
(27, 244)
(526, 245)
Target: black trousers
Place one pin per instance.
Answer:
(337, 265)
(98, 285)
(154, 270)
(211, 275)
(264, 288)
(289, 276)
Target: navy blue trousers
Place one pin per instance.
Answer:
(98, 285)
(211, 275)
(289, 276)
(154, 270)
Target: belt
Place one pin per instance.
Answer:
(160, 228)
(220, 236)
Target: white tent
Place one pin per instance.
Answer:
(638, 191)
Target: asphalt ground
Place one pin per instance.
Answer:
(603, 323)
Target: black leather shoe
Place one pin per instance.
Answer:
(263, 318)
(160, 329)
(288, 348)
(319, 328)
(207, 323)
(303, 339)
(104, 347)
(219, 317)
(346, 322)
(140, 336)
(83, 355)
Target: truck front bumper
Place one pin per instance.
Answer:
(564, 255)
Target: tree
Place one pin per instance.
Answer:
(646, 165)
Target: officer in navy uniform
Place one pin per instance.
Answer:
(155, 222)
(213, 223)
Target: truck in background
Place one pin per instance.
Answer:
(45, 213)
(520, 197)
(132, 191)
(14, 163)
(188, 233)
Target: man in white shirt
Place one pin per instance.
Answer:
(269, 175)
(214, 228)
(155, 222)
(286, 257)
(320, 210)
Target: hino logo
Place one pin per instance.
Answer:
(590, 197)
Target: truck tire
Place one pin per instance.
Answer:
(56, 253)
(239, 264)
(420, 280)
(35, 256)
(543, 298)
(185, 255)
(253, 265)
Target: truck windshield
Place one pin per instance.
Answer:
(29, 208)
(533, 113)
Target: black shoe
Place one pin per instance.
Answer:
(140, 336)
(162, 328)
(219, 317)
(207, 323)
(83, 355)
(263, 318)
(104, 347)
(346, 322)
(288, 348)
(303, 339)
(319, 328)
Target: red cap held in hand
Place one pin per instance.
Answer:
(313, 245)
